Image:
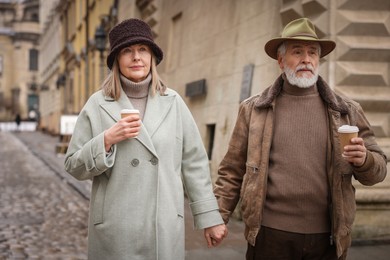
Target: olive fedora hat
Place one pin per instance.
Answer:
(301, 29)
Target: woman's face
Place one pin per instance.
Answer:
(134, 62)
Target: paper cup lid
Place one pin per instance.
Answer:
(129, 111)
(348, 129)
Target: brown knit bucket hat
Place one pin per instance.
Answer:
(129, 32)
(301, 29)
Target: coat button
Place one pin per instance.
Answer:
(154, 161)
(135, 162)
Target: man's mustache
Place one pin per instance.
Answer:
(305, 67)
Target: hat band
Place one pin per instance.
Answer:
(126, 37)
(304, 35)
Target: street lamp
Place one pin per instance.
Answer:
(100, 44)
(100, 40)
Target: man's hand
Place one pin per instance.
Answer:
(215, 234)
(356, 152)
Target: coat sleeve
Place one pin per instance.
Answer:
(374, 169)
(232, 167)
(86, 156)
(196, 174)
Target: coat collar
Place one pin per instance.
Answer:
(330, 97)
(157, 108)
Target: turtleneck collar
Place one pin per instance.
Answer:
(136, 89)
(297, 91)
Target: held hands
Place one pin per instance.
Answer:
(215, 234)
(127, 127)
(356, 152)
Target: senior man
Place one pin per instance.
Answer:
(284, 159)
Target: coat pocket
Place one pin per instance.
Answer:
(98, 202)
(349, 199)
(251, 173)
(249, 184)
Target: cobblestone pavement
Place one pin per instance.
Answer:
(40, 216)
(43, 210)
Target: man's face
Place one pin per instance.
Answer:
(300, 63)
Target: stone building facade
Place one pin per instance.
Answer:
(214, 57)
(220, 43)
(19, 43)
(50, 96)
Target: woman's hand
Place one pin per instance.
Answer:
(215, 234)
(127, 127)
(356, 152)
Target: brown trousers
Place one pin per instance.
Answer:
(276, 244)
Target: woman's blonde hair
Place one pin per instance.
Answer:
(112, 84)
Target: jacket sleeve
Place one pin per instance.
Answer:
(374, 169)
(86, 156)
(196, 174)
(232, 168)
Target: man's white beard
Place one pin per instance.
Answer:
(301, 82)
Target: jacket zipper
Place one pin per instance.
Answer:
(330, 178)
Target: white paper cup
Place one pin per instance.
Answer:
(346, 133)
(129, 112)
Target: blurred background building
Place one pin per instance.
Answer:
(53, 54)
(19, 49)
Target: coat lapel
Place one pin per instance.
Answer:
(114, 108)
(156, 109)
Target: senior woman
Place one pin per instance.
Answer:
(140, 164)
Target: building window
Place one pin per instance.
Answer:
(210, 138)
(34, 17)
(174, 42)
(196, 88)
(33, 59)
(1, 65)
(1, 101)
(31, 14)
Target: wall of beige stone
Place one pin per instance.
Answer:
(19, 33)
(50, 44)
(215, 40)
(7, 76)
(361, 71)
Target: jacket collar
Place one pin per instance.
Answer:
(156, 109)
(330, 97)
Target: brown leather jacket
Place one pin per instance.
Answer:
(243, 171)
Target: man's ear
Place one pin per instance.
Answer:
(280, 61)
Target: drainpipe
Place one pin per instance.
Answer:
(87, 52)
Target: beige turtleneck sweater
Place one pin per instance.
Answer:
(137, 92)
(297, 189)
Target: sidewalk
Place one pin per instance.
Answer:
(12, 126)
(232, 248)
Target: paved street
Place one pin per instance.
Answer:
(40, 216)
(43, 211)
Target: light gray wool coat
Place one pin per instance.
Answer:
(137, 199)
